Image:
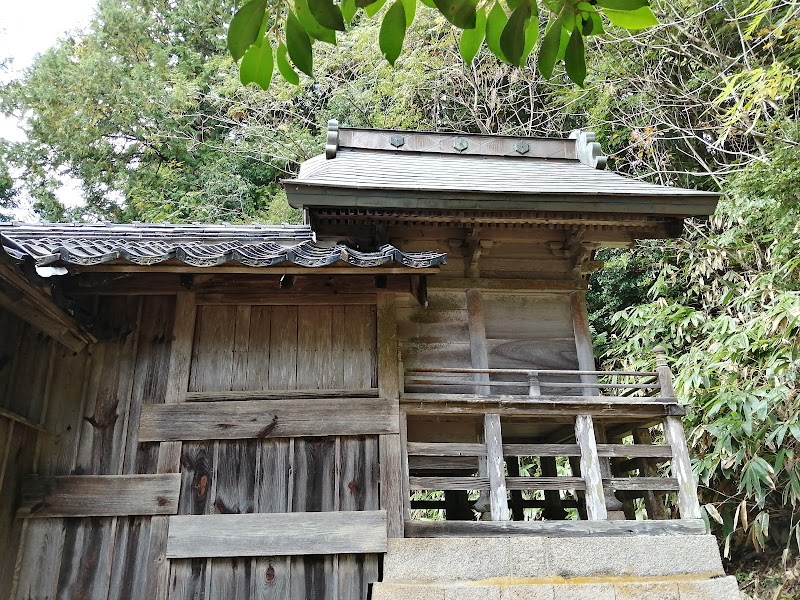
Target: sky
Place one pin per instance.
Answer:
(28, 28)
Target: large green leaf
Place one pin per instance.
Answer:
(244, 27)
(311, 25)
(531, 36)
(349, 9)
(429, 3)
(373, 8)
(327, 14)
(623, 4)
(631, 19)
(495, 23)
(364, 3)
(548, 51)
(410, 6)
(512, 40)
(393, 32)
(299, 45)
(285, 69)
(575, 57)
(471, 39)
(257, 64)
(460, 13)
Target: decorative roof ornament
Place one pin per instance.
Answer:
(588, 150)
(460, 144)
(522, 147)
(397, 140)
(332, 139)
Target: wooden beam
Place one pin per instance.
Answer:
(448, 483)
(664, 484)
(287, 298)
(99, 495)
(12, 416)
(390, 446)
(261, 419)
(545, 483)
(279, 394)
(515, 285)
(553, 528)
(277, 534)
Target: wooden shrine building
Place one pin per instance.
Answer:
(337, 410)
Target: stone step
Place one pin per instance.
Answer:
(454, 559)
(721, 588)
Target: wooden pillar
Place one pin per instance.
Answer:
(585, 352)
(688, 504)
(169, 453)
(391, 451)
(590, 468)
(494, 465)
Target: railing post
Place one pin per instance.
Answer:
(495, 467)
(590, 468)
(688, 504)
(534, 387)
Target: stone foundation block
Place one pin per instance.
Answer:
(720, 588)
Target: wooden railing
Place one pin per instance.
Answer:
(600, 470)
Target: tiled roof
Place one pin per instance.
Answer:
(424, 170)
(193, 245)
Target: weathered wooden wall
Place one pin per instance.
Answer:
(90, 405)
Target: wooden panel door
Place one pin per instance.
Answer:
(256, 348)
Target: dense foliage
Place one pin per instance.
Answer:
(146, 110)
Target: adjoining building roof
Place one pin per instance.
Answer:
(193, 245)
(420, 170)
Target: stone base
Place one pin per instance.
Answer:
(679, 567)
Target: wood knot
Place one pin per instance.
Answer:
(267, 431)
(104, 424)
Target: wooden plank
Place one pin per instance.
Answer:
(590, 468)
(99, 495)
(390, 447)
(283, 299)
(664, 484)
(267, 419)
(553, 528)
(343, 532)
(12, 416)
(448, 483)
(502, 285)
(541, 450)
(439, 449)
(169, 454)
(281, 394)
(259, 271)
(283, 348)
(545, 483)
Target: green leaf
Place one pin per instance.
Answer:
(495, 23)
(349, 9)
(393, 32)
(244, 28)
(310, 24)
(623, 4)
(428, 3)
(257, 64)
(410, 6)
(364, 3)
(575, 58)
(460, 13)
(284, 68)
(631, 19)
(372, 9)
(327, 14)
(548, 51)
(471, 39)
(512, 40)
(298, 44)
(531, 37)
